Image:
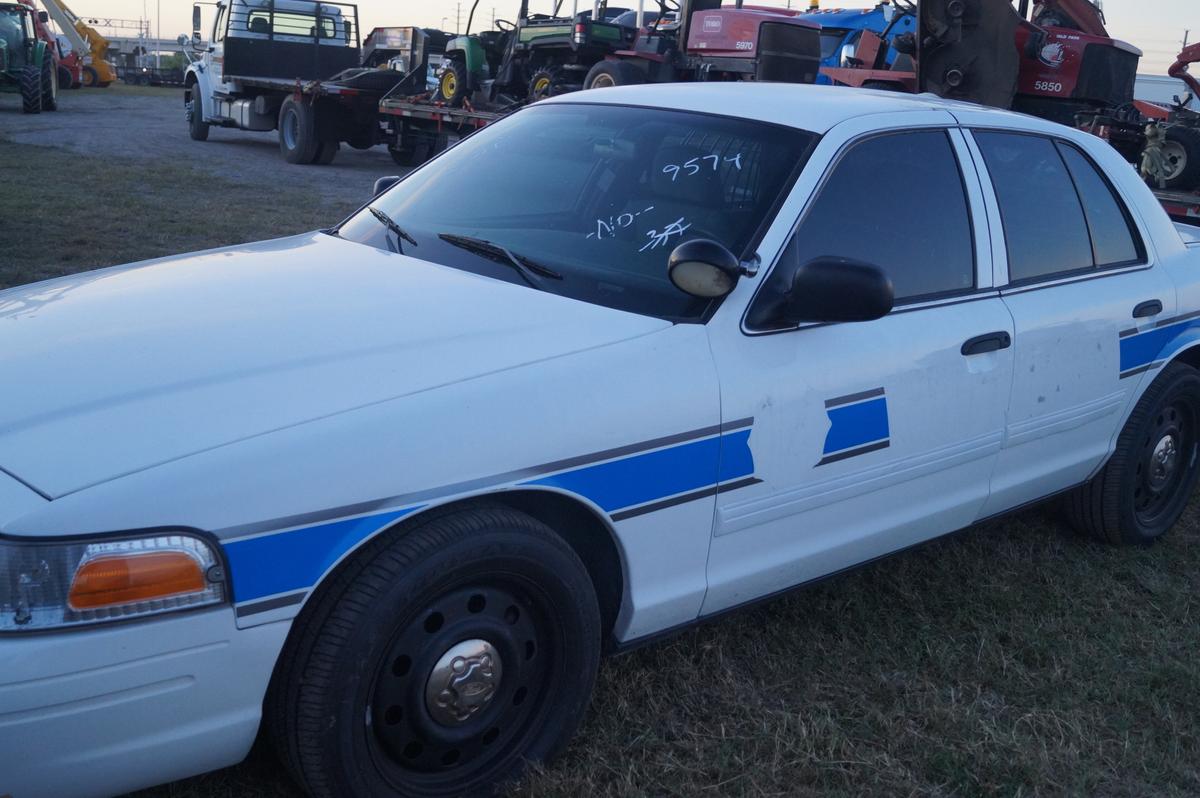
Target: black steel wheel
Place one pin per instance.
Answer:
(439, 661)
(1146, 484)
(31, 90)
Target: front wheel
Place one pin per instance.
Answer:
(31, 90)
(197, 127)
(1145, 486)
(439, 661)
(453, 83)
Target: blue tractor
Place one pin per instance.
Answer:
(841, 29)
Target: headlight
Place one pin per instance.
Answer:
(50, 585)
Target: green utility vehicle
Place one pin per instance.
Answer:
(538, 56)
(26, 63)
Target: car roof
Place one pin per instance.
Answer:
(806, 107)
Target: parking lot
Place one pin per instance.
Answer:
(1011, 659)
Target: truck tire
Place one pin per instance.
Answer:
(197, 127)
(31, 90)
(1182, 149)
(326, 152)
(1145, 486)
(484, 600)
(453, 83)
(65, 81)
(604, 74)
(49, 84)
(410, 156)
(297, 131)
(91, 78)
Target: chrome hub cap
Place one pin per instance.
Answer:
(1163, 459)
(463, 682)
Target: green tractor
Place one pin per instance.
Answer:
(538, 56)
(26, 62)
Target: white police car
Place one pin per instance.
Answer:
(390, 489)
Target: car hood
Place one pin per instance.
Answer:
(118, 370)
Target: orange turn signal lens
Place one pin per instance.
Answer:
(114, 579)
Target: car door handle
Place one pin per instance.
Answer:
(1147, 309)
(982, 344)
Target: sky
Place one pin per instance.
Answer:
(1156, 26)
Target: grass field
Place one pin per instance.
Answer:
(1012, 659)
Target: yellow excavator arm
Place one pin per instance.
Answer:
(87, 41)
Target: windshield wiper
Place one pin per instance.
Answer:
(530, 270)
(391, 225)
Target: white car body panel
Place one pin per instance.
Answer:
(295, 398)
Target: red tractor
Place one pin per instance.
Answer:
(700, 40)
(1049, 58)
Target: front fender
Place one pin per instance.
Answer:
(202, 89)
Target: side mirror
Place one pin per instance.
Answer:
(384, 183)
(837, 290)
(196, 23)
(703, 268)
(43, 17)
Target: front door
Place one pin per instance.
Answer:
(867, 437)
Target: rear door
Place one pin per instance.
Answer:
(864, 438)
(1079, 283)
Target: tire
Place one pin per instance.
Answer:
(543, 84)
(49, 84)
(297, 131)
(91, 78)
(410, 157)
(453, 83)
(1146, 484)
(197, 127)
(31, 90)
(350, 705)
(326, 152)
(604, 74)
(65, 81)
(1182, 149)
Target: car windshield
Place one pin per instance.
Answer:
(596, 195)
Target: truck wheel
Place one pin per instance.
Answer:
(452, 83)
(31, 90)
(412, 156)
(1145, 486)
(543, 83)
(297, 131)
(326, 152)
(197, 127)
(440, 661)
(64, 77)
(1182, 151)
(49, 84)
(604, 74)
(90, 77)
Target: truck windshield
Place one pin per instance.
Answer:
(598, 195)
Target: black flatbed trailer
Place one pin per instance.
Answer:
(416, 128)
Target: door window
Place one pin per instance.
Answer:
(895, 201)
(1061, 217)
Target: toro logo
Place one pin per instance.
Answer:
(712, 24)
(1053, 55)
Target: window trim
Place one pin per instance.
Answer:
(920, 302)
(1053, 279)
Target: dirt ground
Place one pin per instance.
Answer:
(148, 124)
